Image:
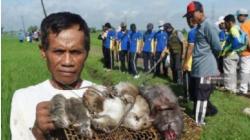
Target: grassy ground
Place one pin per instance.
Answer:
(22, 66)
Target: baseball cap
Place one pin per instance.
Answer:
(167, 25)
(192, 7)
(242, 12)
(220, 20)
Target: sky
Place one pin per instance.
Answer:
(16, 13)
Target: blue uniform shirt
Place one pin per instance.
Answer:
(161, 37)
(222, 35)
(134, 38)
(148, 38)
(123, 38)
(191, 35)
(110, 36)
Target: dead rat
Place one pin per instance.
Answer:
(165, 111)
(111, 112)
(65, 112)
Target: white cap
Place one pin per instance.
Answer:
(242, 12)
(161, 22)
(220, 20)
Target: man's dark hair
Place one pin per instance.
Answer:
(229, 18)
(108, 25)
(57, 22)
(132, 26)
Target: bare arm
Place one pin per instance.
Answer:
(188, 56)
(184, 49)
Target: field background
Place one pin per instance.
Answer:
(22, 66)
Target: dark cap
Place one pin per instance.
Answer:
(123, 24)
(192, 7)
(150, 26)
(167, 26)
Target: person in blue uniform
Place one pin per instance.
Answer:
(148, 47)
(123, 42)
(135, 39)
(109, 37)
(161, 38)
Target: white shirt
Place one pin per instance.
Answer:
(24, 102)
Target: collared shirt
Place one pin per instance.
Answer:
(135, 38)
(123, 38)
(109, 37)
(148, 39)
(161, 38)
(207, 45)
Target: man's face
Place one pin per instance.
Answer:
(133, 28)
(123, 28)
(104, 28)
(222, 25)
(197, 17)
(242, 18)
(169, 29)
(228, 25)
(190, 22)
(66, 55)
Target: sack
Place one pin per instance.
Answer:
(167, 61)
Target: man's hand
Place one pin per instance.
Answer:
(43, 123)
(185, 67)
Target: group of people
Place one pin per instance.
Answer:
(206, 59)
(29, 36)
(213, 56)
(125, 46)
(234, 60)
(65, 45)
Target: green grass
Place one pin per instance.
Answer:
(22, 66)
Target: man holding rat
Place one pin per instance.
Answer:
(65, 44)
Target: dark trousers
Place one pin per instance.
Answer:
(132, 63)
(122, 56)
(202, 88)
(201, 91)
(162, 63)
(175, 64)
(103, 51)
(148, 58)
(108, 58)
